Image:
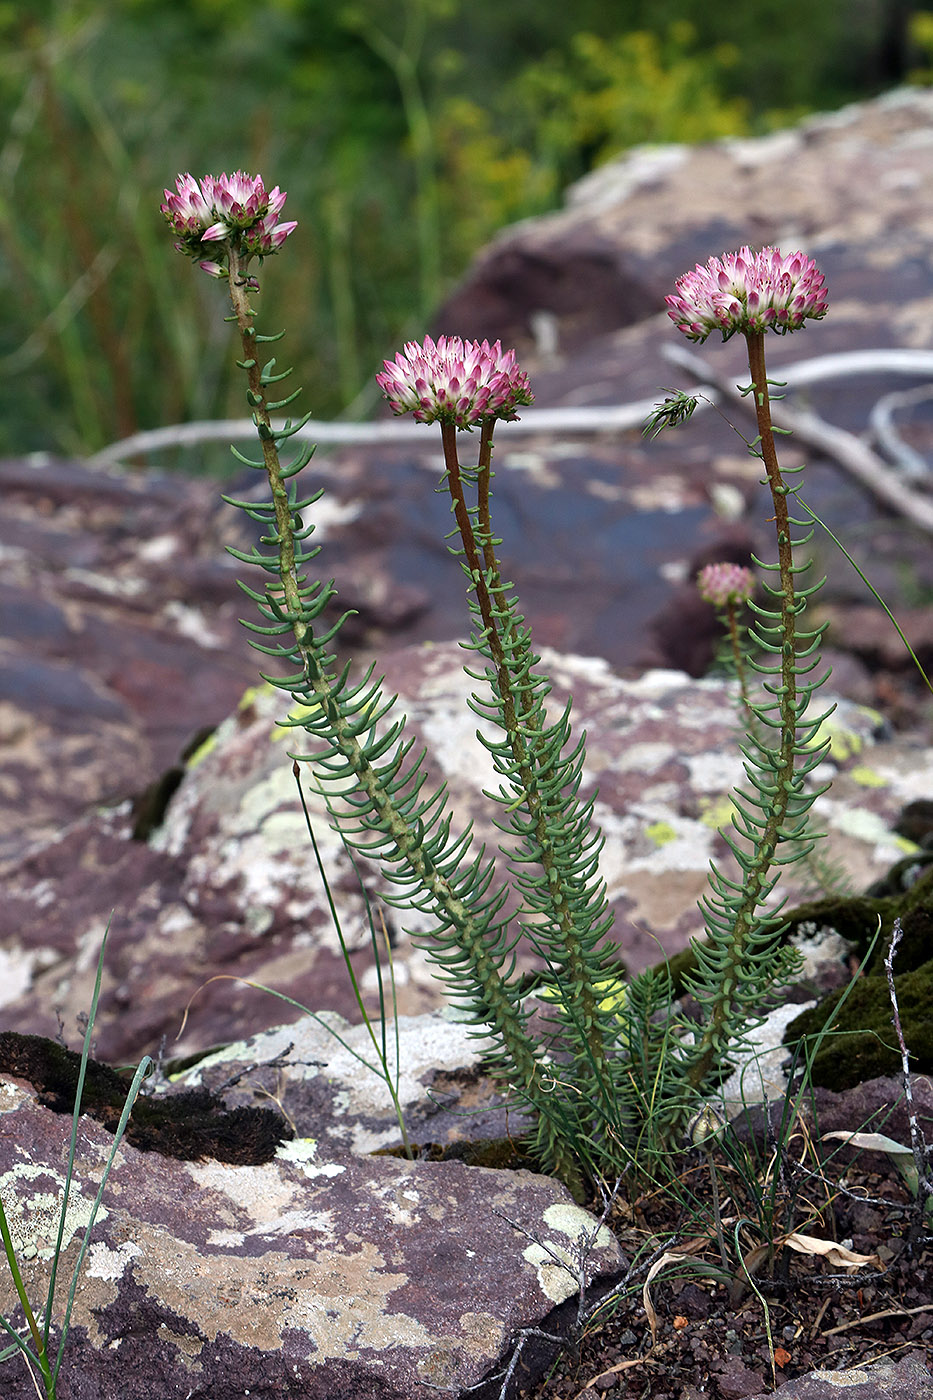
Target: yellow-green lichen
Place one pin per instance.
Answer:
(251, 694)
(201, 752)
(867, 777)
(661, 833)
(716, 812)
(843, 743)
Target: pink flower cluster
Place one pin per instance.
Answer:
(224, 208)
(722, 584)
(748, 292)
(455, 381)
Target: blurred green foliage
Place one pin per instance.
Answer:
(406, 132)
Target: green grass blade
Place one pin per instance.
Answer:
(75, 1118)
(871, 588)
(142, 1070)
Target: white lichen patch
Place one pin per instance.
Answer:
(110, 1264)
(261, 1195)
(715, 772)
(12, 1097)
(341, 1299)
(556, 1265)
(450, 734)
(158, 548)
(226, 1239)
(33, 1214)
(16, 969)
(295, 1223)
(191, 622)
(398, 1206)
(644, 757)
(302, 1153)
(867, 826)
(556, 1271)
(818, 945)
(760, 1074)
(576, 1223)
(670, 842)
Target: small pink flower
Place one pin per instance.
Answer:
(722, 584)
(225, 210)
(455, 381)
(748, 292)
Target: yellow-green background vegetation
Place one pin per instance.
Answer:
(406, 132)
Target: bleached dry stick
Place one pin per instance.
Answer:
(851, 453)
(612, 419)
(844, 447)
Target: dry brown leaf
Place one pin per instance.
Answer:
(833, 1253)
(871, 1142)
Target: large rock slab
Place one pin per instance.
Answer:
(228, 885)
(119, 634)
(906, 1379)
(317, 1275)
(855, 190)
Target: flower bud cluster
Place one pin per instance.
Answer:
(223, 211)
(748, 292)
(721, 584)
(455, 381)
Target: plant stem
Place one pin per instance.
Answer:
(786, 782)
(519, 721)
(738, 658)
(917, 1142)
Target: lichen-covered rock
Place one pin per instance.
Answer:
(319, 1274)
(228, 884)
(888, 1379)
(119, 634)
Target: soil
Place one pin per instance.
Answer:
(719, 1338)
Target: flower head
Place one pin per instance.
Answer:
(222, 211)
(748, 292)
(722, 584)
(455, 381)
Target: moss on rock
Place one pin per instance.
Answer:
(862, 1044)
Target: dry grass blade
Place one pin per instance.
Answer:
(614, 1371)
(686, 1254)
(876, 1317)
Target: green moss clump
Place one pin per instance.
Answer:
(862, 1044)
(189, 1125)
(501, 1153)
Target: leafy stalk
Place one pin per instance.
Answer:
(566, 903)
(381, 811)
(744, 956)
